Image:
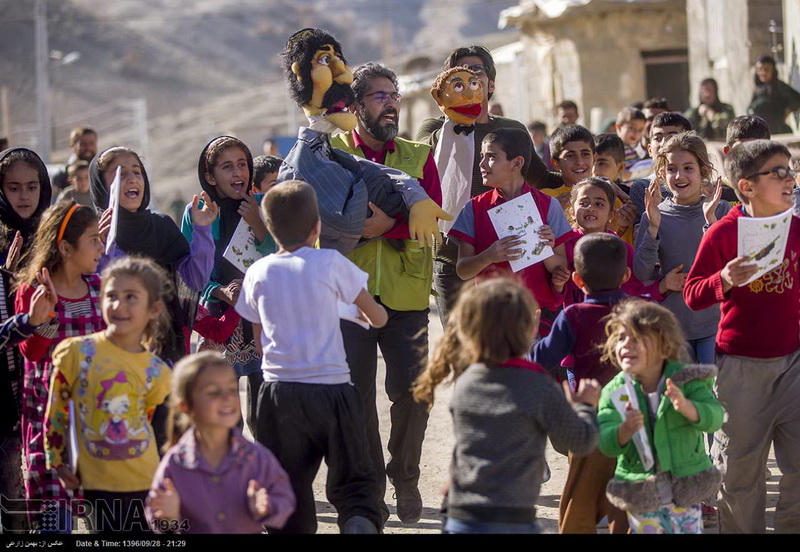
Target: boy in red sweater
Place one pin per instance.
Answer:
(757, 344)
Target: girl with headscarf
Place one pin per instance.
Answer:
(139, 231)
(25, 193)
(142, 232)
(225, 170)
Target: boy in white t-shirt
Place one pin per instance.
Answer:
(308, 409)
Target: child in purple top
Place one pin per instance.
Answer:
(213, 480)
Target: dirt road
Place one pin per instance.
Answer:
(436, 454)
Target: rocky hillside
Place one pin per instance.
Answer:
(203, 66)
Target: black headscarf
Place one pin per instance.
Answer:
(10, 221)
(228, 211)
(141, 232)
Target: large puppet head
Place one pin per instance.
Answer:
(319, 77)
(459, 94)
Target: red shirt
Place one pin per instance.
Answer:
(761, 319)
(535, 277)
(429, 182)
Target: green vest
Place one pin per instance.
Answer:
(409, 157)
(402, 279)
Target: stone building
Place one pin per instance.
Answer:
(602, 54)
(727, 36)
(605, 54)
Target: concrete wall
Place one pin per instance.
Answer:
(726, 37)
(791, 44)
(592, 56)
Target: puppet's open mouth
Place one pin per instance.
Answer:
(470, 110)
(338, 107)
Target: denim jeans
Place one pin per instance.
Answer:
(702, 350)
(490, 528)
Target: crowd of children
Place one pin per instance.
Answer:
(639, 337)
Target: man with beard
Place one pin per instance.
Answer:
(319, 81)
(400, 276)
(83, 141)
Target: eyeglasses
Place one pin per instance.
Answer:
(780, 172)
(383, 97)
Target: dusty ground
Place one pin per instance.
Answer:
(436, 458)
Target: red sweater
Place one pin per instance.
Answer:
(761, 319)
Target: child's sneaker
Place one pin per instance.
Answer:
(709, 515)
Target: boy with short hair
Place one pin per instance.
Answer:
(308, 408)
(538, 132)
(504, 158)
(609, 162)
(579, 331)
(742, 129)
(567, 112)
(78, 188)
(666, 124)
(757, 344)
(478, 59)
(265, 173)
(650, 108)
(629, 127)
(572, 151)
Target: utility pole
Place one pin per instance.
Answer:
(6, 112)
(44, 123)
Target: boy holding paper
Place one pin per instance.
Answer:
(757, 344)
(482, 253)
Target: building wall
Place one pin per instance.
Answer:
(791, 47)
(726, 37)
(594, 57)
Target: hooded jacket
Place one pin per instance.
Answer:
(678, 445)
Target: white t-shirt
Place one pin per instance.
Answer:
(294, 296)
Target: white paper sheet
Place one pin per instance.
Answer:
(641, 169)
(621, 397)
(764, 240)
(241, 250)
(520, 217)
(73, 438)
(113, 203)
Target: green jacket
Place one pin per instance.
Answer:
(678, 445)
(402, 279)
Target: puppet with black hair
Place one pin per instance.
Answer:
(319, 81)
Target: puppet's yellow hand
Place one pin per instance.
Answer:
(422, 223)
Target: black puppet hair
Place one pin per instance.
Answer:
(301, 48)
